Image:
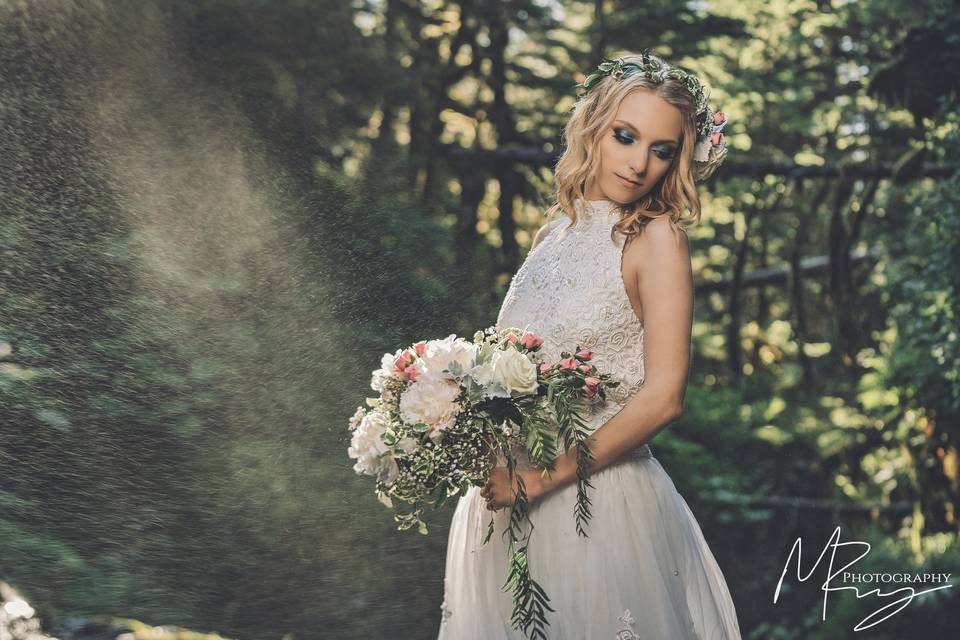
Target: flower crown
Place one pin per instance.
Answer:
(709, 124)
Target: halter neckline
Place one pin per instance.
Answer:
(597, 208)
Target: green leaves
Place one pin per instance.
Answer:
(530, 600)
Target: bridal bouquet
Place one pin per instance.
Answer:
(448, 407)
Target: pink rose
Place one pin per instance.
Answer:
(412, 372)
(585, 368)
(593, 386)
(568, 364)
(420, 347)
(585, 354)
(401, 361)
(512, 338)
(531, 340)
(545, 367)
(719, 117)
(716, 137)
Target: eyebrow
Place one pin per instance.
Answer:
(635, 130)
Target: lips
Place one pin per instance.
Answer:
(627, 182)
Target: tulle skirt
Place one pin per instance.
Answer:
(644, 571)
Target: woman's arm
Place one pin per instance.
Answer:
(661, 259)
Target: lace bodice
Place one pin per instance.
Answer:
(570, 291)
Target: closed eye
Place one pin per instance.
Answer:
(623, 137)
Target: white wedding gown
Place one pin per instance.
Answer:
(645, 571)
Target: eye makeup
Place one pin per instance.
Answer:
(625, 137)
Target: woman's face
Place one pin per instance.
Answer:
(637, 150)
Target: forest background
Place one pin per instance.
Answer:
(218, 215)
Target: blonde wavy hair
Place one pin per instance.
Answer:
(674, 196)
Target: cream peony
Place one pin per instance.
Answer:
(431, 400)
(439, 354)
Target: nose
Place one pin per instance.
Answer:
(638, 165)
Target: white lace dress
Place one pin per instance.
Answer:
(645, 571)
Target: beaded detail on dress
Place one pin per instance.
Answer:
(627, 631)
(570, 291)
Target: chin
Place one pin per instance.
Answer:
(628, 195)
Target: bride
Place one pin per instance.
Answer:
(613, 276)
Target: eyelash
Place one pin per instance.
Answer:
(617, 136)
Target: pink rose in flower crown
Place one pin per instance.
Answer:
(716, 138)
(585, 368)
(593, 386)
(585, 354)
(546, 366)
(568, 364)
(531, 340)
(719, 117)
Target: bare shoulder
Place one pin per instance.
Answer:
(661, 247)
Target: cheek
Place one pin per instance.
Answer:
(662, 168)
(607, 151)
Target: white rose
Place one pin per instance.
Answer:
(514, 371)
(367, 444)
(431, 400)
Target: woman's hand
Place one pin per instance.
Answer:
(501, 492)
